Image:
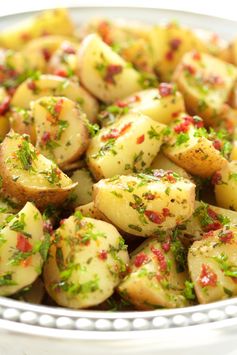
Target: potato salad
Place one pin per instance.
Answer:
(118, 164)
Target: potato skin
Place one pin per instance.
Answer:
(137, 140)
(145, 204)
(151, 283)
(103, 257)
(22, 122)
(20, 188)
(212, 262)
(103, 72)
(206, 218)
(19, 260)
(196, 153)
(226, 186)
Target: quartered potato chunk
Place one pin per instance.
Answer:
(87, 261)
(29, 176)
(206, 83)
(53, 85)
(145, 203)
(44, 48)
(162, 105)
(50, 22)
(129, 145)
(188, 145)
(206, 218)
(61, 131)
(129, 40)
(155, 279)
(104, 73)
(225, 182)
(23, 249)
(212, 265)
(169, 43)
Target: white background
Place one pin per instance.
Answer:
(221, 8)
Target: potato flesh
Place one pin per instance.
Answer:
(83, 190)
(93, 278)
(199, 224)
(210, 260)
(137, 204)
(169, 44)
(196, 154)
(67, 128)
(152, 284)
(20, 266)
(94, 59)
(133, 149)
(51, 22)
(205, 84)
(35, 179)
(53, 85)
(161, 162)
(225, 187)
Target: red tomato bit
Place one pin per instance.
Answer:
(207, 277)
(160, 258)
(165, 89)
(140, 259)
(103, 255)
(23, 244)
(140, 139)
(226, 236)
(111, 71)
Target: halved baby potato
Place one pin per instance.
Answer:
(146, 203)
(53, 85)
(225, 182)
(189, 147)
(50, 22)
(154, 280)
(162, 105)
(169, 43)
(129, 145)
(212, 264)
(86, 263)
(206, 218)
(29, 176)
(21, 248)
(104, 73)
(44, 48)
(206, 83)
(61, 131)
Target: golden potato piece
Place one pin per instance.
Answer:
(50, 22)
(206, 83)
(61, 131)
(129, 145)
(212, 264)
(169, 43)
(22, 245)
(161, 162)
(145, 204)
(155, 280)
(104, 73)
(189, 147)
(86, 263)
(53, 85)
(29, 176)
(82, 193)
(225, 182)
